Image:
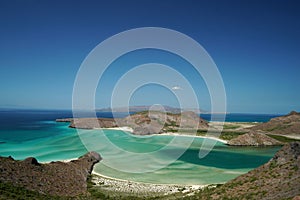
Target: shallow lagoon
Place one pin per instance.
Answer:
(58, 142)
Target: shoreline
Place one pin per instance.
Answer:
(127, 186)
(128, 129)
(122, 128)
(97, 177)
(146, 183)
(196, 136)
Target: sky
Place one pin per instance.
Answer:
(255, 45)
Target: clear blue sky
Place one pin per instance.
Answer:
(255, 44)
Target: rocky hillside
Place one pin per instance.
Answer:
(277, 179)
(145, 123)
(253, 139)
(156, 122)
(284, 125)
(55, 178)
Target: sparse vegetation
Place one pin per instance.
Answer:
(231, 126)
(282, 138)
(225, 135)
(228, 135)
(9, 191)
(173, 123)
(201, 132)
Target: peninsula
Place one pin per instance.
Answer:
(273, 133)
(145, 123)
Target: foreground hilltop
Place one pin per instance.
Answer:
(145, 123)
(55, 178)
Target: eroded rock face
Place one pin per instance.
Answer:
(253, 139)
(55, 178)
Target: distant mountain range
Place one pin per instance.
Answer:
(133, 109)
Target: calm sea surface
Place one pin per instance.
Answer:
(25, 133)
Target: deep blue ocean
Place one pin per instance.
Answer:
(22, 125)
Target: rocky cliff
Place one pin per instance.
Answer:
(55, 178)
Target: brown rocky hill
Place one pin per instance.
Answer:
(284, 125)
(55, 178)
(145, 123)
(253, 139)
(155, 122)
(277, 179)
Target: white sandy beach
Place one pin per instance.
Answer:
(196, 136)
(123, 128)
(126, 186)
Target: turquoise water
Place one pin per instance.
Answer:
(123, 153)
(220, 165)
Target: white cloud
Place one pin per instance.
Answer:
(176, 88)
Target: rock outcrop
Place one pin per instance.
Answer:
(253, 139)
(284, 125)
(55, 178)
(64, 120)
(277, 179)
